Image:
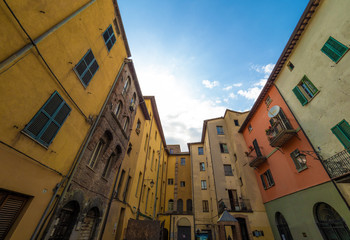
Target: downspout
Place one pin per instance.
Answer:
(155, 199)
(144, 171)
(26, 48)
(74, 167)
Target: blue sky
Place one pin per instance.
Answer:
(200, 57)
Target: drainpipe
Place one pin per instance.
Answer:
(144, 171)
(155, 199)
(26, 48)
(74, 166)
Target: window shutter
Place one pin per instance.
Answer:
(302, 99)
(285, 119)
(334, 49)
(263, 181)
(257, 149)
(10, 208)
(272, 182)
(342, 132)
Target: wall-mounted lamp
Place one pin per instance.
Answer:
(151, 183)
(301, 158)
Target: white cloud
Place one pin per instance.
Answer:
(209, 84)
(231, 86)
(265, 69)
(227, 88)
(232, 95)
(237, 85)
(251, 93)
(261, 83)
(226, 100)
(181, 112)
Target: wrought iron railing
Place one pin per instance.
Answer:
(280, 132)
(338, 164)
(241, 205)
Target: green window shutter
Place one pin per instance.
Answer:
(342, 132)
(309, 84)
(263, 180)
(302, 99)
(334, 49)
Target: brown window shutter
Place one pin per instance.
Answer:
(10, 208)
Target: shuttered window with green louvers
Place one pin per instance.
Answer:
(342, 132)
(305, 91)
(334, 49)
(49, 119)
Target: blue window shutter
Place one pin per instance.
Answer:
(86, 68)
(334, 49)
(342, 132)
(48, 120)
(302, 99)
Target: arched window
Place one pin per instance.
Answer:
(96, 153)
(118, 109)
(133, 100)
(171, 205)
(126, 85)
(330, 223)
(106, 170)
(126, 124)
(180, 206)
(189, 205)
(89, 225)
(282, 227)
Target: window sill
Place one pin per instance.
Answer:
(90, 168)
(36, 141)
(302, 169)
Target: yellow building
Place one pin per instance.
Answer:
(58, 62)
(222, 180)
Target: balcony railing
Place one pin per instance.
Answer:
(280, 132)
(241, 205)
(256, 156)
(339, 164)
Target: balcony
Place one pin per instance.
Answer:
(339, 164)
(280, 132)
(257, 158)
(241, 205)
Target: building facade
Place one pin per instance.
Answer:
(59, 61)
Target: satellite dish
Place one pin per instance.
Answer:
(273, 111)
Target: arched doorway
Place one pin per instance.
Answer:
(282, 226)
(89, 225)
(66, 221)
(330, 223)
(183, 229)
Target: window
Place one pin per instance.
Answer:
(171, 205)
(228, 170)
(204, 184)
(118, 108)
(250, 128)
(116, 26)
(182, 183)
(11, 205)
(138, 127)
(126, 124)
(223, 148)
(205, 205)
(200, 151)
(334, 49)
(290, 66)
(133, 102)
(342, 132)
(48, 120)
(235, 156)
(189, 205)
(305, 90)
(240, 181)
(180, 205)
(121, 180)
(109, 37)
(202, 166)
(126, 86)
(126, 190)
(105, 172)
(86, 68)
(183, 161)
(152, 162)
(129, 149)
(268, 101)
(155, 135)
(96, 153)
(236, 122)
(282, 227)
(220, 130)
(170, 181)
(171, 150)
(267, 180)
(147, 199)
(138, 183)
(299, 162)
